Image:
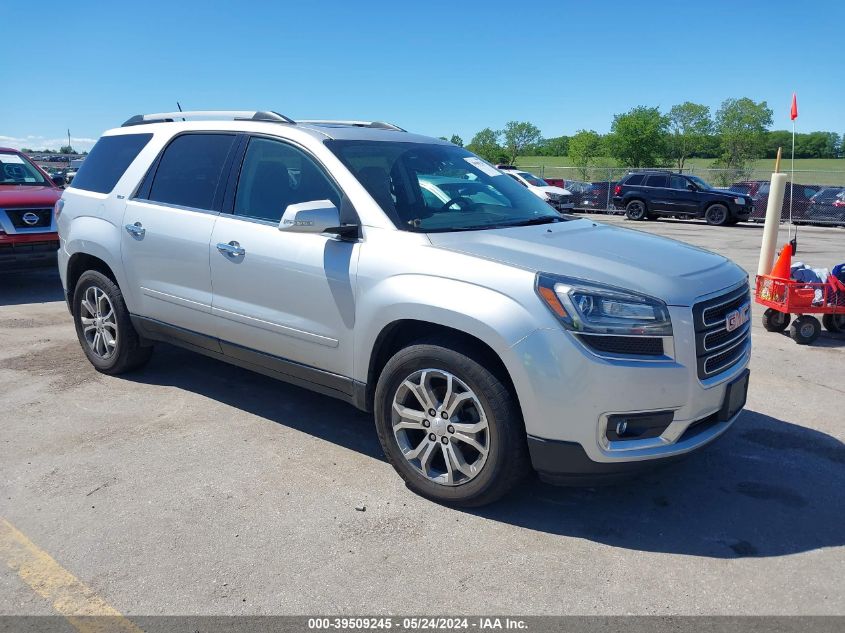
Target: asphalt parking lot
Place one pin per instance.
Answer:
(194, 487)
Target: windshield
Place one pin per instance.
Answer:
(699, 182)
(16, 170)
(431, 188)
(532, 179)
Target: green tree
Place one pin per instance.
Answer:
(66, 149)
(456, 140)
(638, 138)
(486, 144)
(518, 137)
(741, 124)
(689, 125)
(556, 146)
(584, 149)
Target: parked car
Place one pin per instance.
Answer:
(557, 197)
(482, 332)
(590, 196)
(827, 207)
(759, 192)
(651, 194)
(27, 228)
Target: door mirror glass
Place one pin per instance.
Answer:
(692, 187)
(318, 216)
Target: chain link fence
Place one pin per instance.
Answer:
(817, 197)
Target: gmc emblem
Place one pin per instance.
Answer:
(736, 318)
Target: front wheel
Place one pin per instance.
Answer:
(805, 329)
(450, 427)
(103, 326)
(717, 215)
(636, 210)
(775, 321)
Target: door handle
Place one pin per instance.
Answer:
(136, 230)
(233, 249)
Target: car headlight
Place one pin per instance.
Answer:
(740, 201)
(591, 308)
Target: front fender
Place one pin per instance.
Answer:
(489, 315)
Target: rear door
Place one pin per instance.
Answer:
(660, 196)
(287, 296)
(684, 199)
(167, 229)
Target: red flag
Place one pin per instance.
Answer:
(793, 112)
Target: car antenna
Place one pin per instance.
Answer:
(178, 105)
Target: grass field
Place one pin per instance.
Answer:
(821, 171)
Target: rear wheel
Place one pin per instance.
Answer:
(635, 210)
(775, 321)
(450, 427)
(103, 326)
(717, 215)
(834, 322)
(805, 329)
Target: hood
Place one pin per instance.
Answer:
(558, 190)
(28, 196)
(672, 271)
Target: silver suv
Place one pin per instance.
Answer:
(410, 278)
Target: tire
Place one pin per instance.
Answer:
(834, 322)
(100, 314)
(775, 321)
(805, 329)
(717, 215)
(430, 362)
(636, 210)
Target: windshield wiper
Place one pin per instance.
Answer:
(545, 219)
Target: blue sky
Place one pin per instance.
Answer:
(433, 67)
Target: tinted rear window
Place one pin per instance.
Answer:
(107, 161)
(635, 179)
(190, 168)
(657, 181)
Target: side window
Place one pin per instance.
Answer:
(107, 161)
(190, 168)
(636, 179)
(677, 182)
(518, 180)
(657, 181)
(275, 175)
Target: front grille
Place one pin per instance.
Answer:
(45, 218)
(716, 348)
(629, 345)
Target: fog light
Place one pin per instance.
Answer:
(637, 426)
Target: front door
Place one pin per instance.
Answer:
(289, 296)
(167, 230)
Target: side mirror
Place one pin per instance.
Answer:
(319, 216)
(692, 187)
(59, 181)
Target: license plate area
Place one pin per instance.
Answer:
(735, 396)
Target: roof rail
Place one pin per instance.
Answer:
(236, 115)
(378, 125)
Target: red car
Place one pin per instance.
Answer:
(28, 235)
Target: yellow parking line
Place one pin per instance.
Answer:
(73, 599)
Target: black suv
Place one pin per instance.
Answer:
(650, 194)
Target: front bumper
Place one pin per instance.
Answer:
(32, 250)
(568, 394)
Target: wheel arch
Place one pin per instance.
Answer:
(400, 333)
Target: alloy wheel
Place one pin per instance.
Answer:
(99, 323)
(440, 426)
